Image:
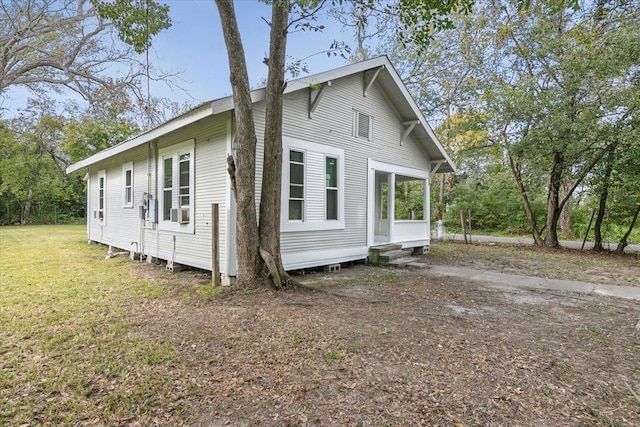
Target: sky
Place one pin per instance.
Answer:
(194, 47)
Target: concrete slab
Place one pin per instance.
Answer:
(532, 282)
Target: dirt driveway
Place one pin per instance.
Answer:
(383, 347)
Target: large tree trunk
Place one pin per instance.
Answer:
(515, 169)
(243, 170)
(623, 242)
(26, 210)
(553, 201)
(604, 194)
(269, 227)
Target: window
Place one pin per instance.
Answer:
(185, 187)
(296, 185)
(167, 189)
(312, 186)
(331, 196)
(127, 187)
(102, 195)
(176, 178)
(362, 125)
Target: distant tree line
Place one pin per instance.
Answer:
(54, 48)
(538, 103)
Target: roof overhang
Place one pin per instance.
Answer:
(388, 78)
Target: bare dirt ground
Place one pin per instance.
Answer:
(564, 263)
(382, 347)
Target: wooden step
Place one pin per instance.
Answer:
(385, 247)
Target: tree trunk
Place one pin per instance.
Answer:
(623, 242)
(604, 194)
(440, 211)
(515, 169)
(553, 201)
(269, 227)
(244, 167)
(26, 210)
(565, 213)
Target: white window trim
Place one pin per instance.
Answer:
(102, 173)
(128, 166)
(356, 119)
(337, 188)
(174, 151)
(287, 225)
(304, 182)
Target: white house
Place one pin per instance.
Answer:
(351, 136)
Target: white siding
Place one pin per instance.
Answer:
(332, 124)
(123, 224)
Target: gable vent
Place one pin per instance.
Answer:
(363, 126)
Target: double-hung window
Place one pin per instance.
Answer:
(296, 185)
(167, 188)
(127, 185)
(331, 190)
(312, 186)
(176, 182)
(100, 214)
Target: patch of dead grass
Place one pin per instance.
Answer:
(563, 263)
(95, 342)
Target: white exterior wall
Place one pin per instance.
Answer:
(123, 225)
(332, 125)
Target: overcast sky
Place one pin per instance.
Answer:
(195, 47)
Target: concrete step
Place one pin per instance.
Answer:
(388, 256)
(401, 262)
(376, 251)
(408, 262)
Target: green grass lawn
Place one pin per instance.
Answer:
(67, 354)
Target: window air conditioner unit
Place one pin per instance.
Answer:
(174, 215)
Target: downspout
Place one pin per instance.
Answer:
(87, 180)
(155, 194)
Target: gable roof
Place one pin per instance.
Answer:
(388, 78)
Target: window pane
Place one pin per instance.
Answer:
(184, 173)
(332, 172)
(296, 192)
(166, 205)
(127, 179)
(168, 173)
(295, 209)
(128, 195)
(332, 204)
(185, 156)
(296, 156)
(296, 174)
(184, 201)
(184, 215)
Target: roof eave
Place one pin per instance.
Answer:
(192, 116)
